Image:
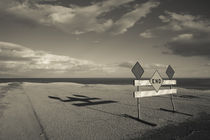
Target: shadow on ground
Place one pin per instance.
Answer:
(176, 112)
(84, 100)
(139, 120)
(88, 101)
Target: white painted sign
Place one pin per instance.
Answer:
(156, 81)
(147, 82)
(140, 94)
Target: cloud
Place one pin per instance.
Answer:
(180, 22)
(208, 64)
(183, 37)
(82, 19)
(146, 34)
(128, 65)
(10, 52)
(189, 45)
(129, 19)
(193, 37)
(164, 18)
(155, 66)
(19, 59)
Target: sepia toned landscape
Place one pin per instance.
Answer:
(104, 69)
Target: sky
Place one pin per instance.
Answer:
(104, 38)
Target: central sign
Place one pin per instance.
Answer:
(156, 81)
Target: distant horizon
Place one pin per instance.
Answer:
(99, 78)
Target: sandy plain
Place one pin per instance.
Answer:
(63, 111)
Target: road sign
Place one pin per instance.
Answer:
(156, 81)
(170, 72)
(137, 70)
(140, 94)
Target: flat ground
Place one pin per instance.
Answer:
(63, 111)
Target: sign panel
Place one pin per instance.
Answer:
(140, 94)
(170, 72)
(156, 81)
(147, 82)
(137, 70)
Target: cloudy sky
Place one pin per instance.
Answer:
(103, 38)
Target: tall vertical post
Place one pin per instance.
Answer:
(138, 104)
(170, 72)
(138, 71)
(172, 100)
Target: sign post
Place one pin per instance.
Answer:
(170, 72)
(156, 82)
(138, 104)
(138, 71)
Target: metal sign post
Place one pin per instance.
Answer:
(138, 71)
(138, 104)
(170, 72)
(172, 100)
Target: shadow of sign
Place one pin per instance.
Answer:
(84, 100)
(173, 111)
(139, 120)
(88, 101)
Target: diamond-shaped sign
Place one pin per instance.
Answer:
(156, 81)
(137, 70)
(170, 72)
